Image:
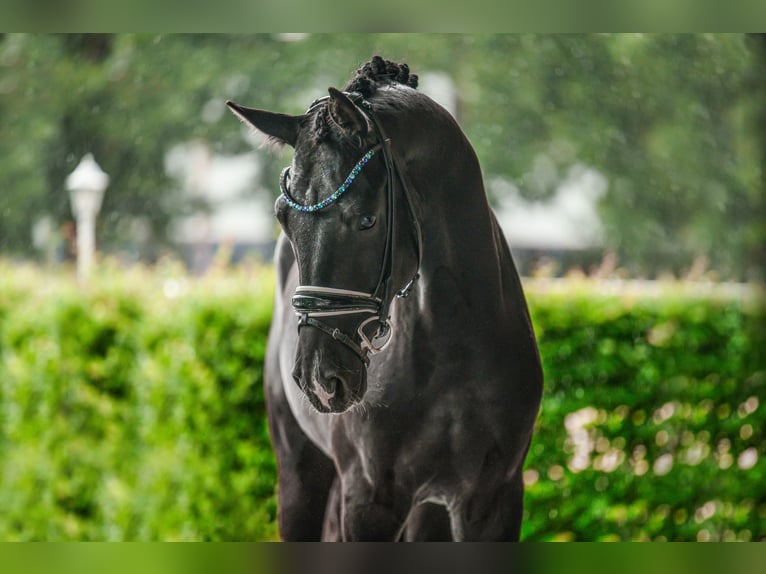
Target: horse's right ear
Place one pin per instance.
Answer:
(281, 128)
(348, 116)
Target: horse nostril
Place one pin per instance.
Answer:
(332, 384)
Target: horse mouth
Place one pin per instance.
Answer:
(332, 397)
(333, 408)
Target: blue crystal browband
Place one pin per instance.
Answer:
(328, 200)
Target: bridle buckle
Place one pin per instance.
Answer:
(404, 292)
(379, 340)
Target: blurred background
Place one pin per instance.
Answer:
(641, 146)
(625, 169)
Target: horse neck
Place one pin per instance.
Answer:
(461, 241)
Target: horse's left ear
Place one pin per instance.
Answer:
(280, 127)
(349, 117)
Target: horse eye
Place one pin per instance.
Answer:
(367, 222)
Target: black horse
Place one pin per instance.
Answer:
(402, 373)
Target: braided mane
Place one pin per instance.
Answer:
(366, 81)
(379, 71)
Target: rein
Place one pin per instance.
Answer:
(311, 301)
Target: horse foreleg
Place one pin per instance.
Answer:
(331, 532)
(491, 514)
(370, 512)
(305, 474)
(428, 522)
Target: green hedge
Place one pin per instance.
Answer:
(132, 410)
(128, 413)
(652, 424)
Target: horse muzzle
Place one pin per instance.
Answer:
(330, 378)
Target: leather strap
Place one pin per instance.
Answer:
(336, 334)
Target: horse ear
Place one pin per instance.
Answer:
(279, 127)
(349, 117)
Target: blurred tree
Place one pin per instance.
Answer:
(667, 119)
(757, 81)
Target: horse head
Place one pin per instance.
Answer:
(340, 199)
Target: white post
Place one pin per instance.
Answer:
(86, 244)
(86, 186)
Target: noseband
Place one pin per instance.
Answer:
(311, 301)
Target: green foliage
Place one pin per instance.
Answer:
(133, 410)
(653, 417)
(667, 118)
(128, 417)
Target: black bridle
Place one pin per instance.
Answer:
(310, 301)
